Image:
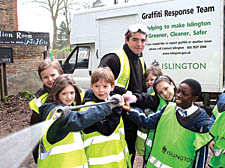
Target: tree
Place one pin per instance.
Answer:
(62, 40)
(54, 7)
(67, 5)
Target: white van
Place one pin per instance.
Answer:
(185, 38)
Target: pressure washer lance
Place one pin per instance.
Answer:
(16, 147)
(64, 109)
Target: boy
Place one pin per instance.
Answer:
(180, 139)
(48, 71)
(106, 137)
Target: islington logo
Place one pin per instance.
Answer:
(174, 155)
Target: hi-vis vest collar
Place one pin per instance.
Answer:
(174, 145)
(37, 102)
(124, 75)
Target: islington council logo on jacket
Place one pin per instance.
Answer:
(174, 155)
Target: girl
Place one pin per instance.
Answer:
(152, 72)
(165, 90)
(48, 71)
(62, 145)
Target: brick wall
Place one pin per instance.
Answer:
(22, 73)
(8, 13)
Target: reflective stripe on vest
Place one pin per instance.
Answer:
(37, 102)
(157, 163)
(77, 145)
(141, 135)
(124, 75)
(101, 139)
(165, 152)
(60, 153)
(149, 142)
(106, 151)
(106, 159)
(140, 141)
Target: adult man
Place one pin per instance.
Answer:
(128, 67)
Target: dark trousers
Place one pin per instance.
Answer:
(130, 136)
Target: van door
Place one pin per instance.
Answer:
(77, 64)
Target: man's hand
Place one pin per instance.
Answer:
(116, 101)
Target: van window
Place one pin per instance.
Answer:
(83, 57)
(72, 59)
(78, 59)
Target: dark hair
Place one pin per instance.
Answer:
(155, 70)
(194, 85)
(46, 63)
(129, 34)
(164, 78)
(103, 73)
(59, 84)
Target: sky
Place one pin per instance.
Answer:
(32, 17)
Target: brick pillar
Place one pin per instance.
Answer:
(8, 15)
(15, 18)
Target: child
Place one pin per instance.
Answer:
(48, 71)
(218, 132)
(179, 141)
(152, 72)
(165, 90)
(61, 145)
(105, 139)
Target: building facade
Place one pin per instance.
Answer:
(21, 74)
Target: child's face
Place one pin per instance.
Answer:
(48, 76)
(67, 95)
(102, 89)
(165, 90)
(184, 97)
(150, 80)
